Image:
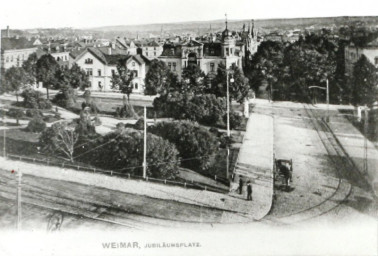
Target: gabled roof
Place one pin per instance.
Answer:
(16, 44)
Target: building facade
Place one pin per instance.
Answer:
(14, 51)
(208, 55)
(101, 63)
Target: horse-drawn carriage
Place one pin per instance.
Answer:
(284, 171)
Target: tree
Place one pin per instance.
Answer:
(30, 66)
(36, 125)
(66, 98)
(159, 79)
(238, 89)
(195, 144)
(122, 151)
(78, 78)
(60, 138)
(46, 68)
(123, 79)
(193, 80)
(365, 82)
(34, 99)
(15, 79)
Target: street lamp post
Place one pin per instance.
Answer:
(228, 102)
(228, 121)
(145, 144)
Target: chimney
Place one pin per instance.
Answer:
(8, 32)
(113, 45)
(109, 50)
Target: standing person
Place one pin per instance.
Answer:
(240, 185)
(249, 191)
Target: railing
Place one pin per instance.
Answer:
(185, 183)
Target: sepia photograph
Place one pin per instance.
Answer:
(188, 127)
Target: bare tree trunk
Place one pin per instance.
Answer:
(47, 91)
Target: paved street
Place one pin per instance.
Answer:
(321, 189)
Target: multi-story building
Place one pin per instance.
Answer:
(101, 62)
(353, 54)
(207, 55)
(14, 51)
(152, 50)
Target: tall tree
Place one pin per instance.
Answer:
(193, 80)
(78, 78)
(30, 66)
(16, 78)
(60, 138)
(159, 79)
(46, 68)
(238, 89)
(123, 79)
(365, 82)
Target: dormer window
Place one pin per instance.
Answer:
(88, 61)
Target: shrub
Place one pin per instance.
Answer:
(195, 144)
(97, 121)
(36, 125)
(66, 97)
(34, 99)
(139, 125)
(34, 113)
(235, 120)
(50, 119)
(15, 113)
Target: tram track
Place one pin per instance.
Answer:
(340, 163)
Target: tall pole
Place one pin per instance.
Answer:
(4, 136)
(228, 108)
(19, 213)
(145, 144)
(366, 127)
(327, 101)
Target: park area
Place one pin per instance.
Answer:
(23, 142)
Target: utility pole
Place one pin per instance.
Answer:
(145, 144)
(366, 128)
(4, 136)
(327, 101)
(228, 106)
(19, 213)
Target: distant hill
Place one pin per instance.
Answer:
(237, 24)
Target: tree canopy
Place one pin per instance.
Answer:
(365, 82)
(122, 79)
(46, 68)
(15, 79)
(159, 79)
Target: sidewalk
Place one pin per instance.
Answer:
(255, 164)
(236, 210)
(353, 143)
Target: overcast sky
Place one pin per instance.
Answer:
(93, 13)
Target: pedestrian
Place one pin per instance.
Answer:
(249, 191)
(240, 185)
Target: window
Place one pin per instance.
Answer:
(174, 66)
(170, 66)
(99, 72)
(135, 72)
(136, 86)
(227, 51)
(89, 72)
(58, 58)
(212, 67)
(7, 59)
(146, 53)
(155, 48)
(88, 61)
(99, 85)
(133, 64)
(376, 60)
(113, 72)
(154, 53)
(65, 57)
(12, 58)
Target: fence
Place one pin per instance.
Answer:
(184, 183)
